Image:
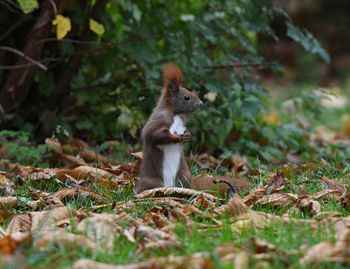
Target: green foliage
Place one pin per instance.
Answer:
(28, 6)
(307, 40)
(19, 149)
(118, 84)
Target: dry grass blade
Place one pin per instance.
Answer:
(174, 191)
(89, 264)
(127, 205)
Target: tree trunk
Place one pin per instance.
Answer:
(17, 84)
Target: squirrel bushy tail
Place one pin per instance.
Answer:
(171, 72)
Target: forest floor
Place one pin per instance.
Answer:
(85, 215)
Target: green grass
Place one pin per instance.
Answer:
(288, 238)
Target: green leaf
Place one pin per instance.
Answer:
(96, 27)
(28, 6)
(84, 124)
(136, 13)
(238, 104)
(307, 40)
(46, 82)
(23, 199)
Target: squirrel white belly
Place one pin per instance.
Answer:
(172, 153)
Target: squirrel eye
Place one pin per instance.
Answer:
(186, 97)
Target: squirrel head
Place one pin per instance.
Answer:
(181, 100)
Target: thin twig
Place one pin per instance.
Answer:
(104, 45)
(236, 65)
(53, 7)
(18, 66)
(12, 28)
(19, 53)
(111, 43)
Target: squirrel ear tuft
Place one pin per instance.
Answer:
(172, 72)
(173, 86)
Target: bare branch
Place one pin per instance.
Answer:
(19, 53)
(14, 66)
(53, 7)
(237, 65)
(12, 28)
(104, 44)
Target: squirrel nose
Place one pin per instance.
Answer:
(198, 106)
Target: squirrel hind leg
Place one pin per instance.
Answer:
(147, 183)
(183, 177)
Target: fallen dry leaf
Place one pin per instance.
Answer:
(76, 192)
(278, 199)
(331, 184)
(8, 202)
(235, 207)
(278, 181)
(102, 229)
(137, 155)
(318, 253)
(94, 172)
(254, 196)
(306, 204)
(238, 164)
(61, 237)
(5, 215)
(327, 194)
(43, 220)
(155, 218)
(5, 181)
(10, 243)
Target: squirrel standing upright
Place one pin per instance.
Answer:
(164, 163)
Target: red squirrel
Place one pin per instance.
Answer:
(163, 163)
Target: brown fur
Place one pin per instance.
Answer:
(156, 131)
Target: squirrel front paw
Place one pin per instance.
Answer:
(185, 137)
